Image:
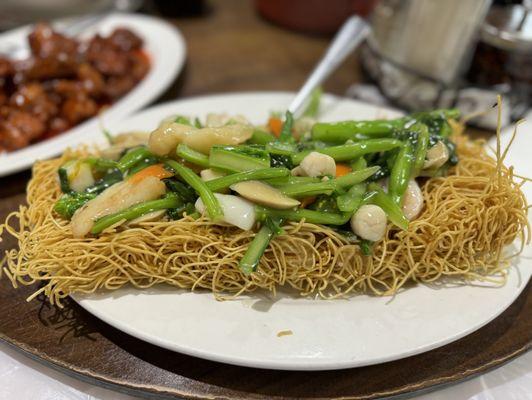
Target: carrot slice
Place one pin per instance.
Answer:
(275, 125)
(156, 170)
(342, 169)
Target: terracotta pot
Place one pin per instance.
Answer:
(313, 16)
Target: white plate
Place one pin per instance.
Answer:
(360, 331)
(166, 48)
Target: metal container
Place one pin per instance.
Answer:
(419, 49)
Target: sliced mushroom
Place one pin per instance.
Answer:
(150, 217)
(236, 210)
(316, 164)
(437, 155)
(369, 222)
(264, 194)
(413, 200)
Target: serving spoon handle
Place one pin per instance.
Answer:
(350, 35)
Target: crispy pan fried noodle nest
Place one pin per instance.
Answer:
(470, 217)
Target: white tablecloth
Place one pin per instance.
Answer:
(24, 379)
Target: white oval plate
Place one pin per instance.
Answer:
(358, 331)
(166, 48)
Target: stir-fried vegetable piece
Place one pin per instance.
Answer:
(100, 164)
(422, 145)
(67, 205)
(310, 216)
(259, 244)
(192, 156)
(286, 132)
(180, 119)
(352, 151)
(169, 201)
(307, 189)
(377, 196)
(109, 179)
(261, 137)
(359, 163)
(66, 173)
(238, 158)
(132, 157)
(350, 201)
(291, 180)
(207, 196)
(256, 174)
(314, 104)
(281, 148)
(354, 177)
(339, 132)
(181, 189)
(401, 173)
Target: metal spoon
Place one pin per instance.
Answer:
(350, 35)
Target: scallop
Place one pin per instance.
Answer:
(316, 164)
(413, 200)
(369, 222)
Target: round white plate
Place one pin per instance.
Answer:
(167, 52)
(358, 331)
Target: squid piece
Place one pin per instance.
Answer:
(114, 199)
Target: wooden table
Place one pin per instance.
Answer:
(232, 49)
